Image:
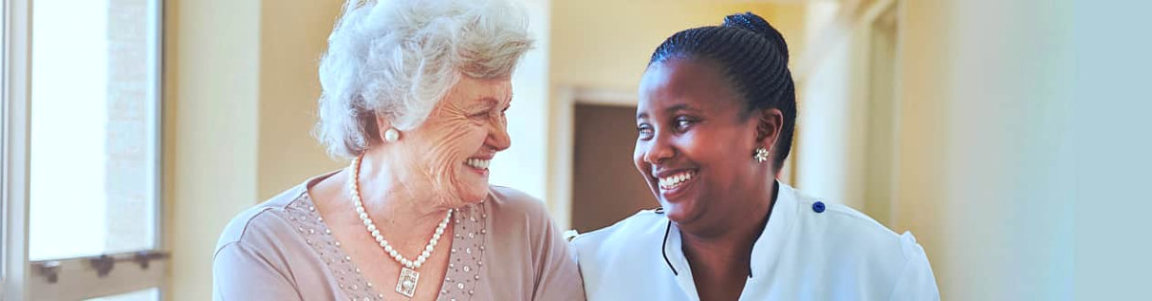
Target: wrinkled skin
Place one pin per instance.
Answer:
(429, 162)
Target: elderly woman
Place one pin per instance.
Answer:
(715, 120)
(415, 94)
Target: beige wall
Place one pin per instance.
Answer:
(921, 184)
(604, 44)
(293, 36)
(211, 127)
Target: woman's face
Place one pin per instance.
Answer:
(694, 147)
(453, 147)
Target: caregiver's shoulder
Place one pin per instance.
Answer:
(839, 227)
(642, 226)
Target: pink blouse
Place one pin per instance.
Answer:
(505, 248)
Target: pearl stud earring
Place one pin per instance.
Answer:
(391, 135)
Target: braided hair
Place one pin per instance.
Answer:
(753, 57)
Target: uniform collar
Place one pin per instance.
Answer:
(765, 250)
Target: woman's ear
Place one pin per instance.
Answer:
(768, 125)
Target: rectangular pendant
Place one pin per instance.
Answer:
(406, 285)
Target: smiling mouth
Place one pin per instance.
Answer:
(477, 163)
(676, 180)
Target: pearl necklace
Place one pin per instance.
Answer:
(406, 284)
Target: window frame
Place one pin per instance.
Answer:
(78, 277)
(14, 187)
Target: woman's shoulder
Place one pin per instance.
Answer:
(275, 217)
(258, 223)
(508, 202)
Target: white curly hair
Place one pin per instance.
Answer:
(396, 59)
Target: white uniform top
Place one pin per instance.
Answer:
(807, 251)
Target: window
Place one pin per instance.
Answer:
(94, 148)
(82, 150)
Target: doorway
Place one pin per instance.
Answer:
(606, 187)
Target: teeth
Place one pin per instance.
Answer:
(478, 163)
(675, 180)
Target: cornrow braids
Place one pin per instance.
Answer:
(753, 57)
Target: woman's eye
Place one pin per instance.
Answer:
(644, 131)
(683, 123)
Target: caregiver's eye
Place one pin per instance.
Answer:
(644, 131)
(683, 123)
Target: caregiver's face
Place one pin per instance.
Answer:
(461, 136)
(694, 144)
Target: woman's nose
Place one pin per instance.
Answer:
(658, 150)
(498, 135)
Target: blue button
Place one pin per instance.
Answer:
(818, 207)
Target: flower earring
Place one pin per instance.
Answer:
(761, 155)
(391, 135)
